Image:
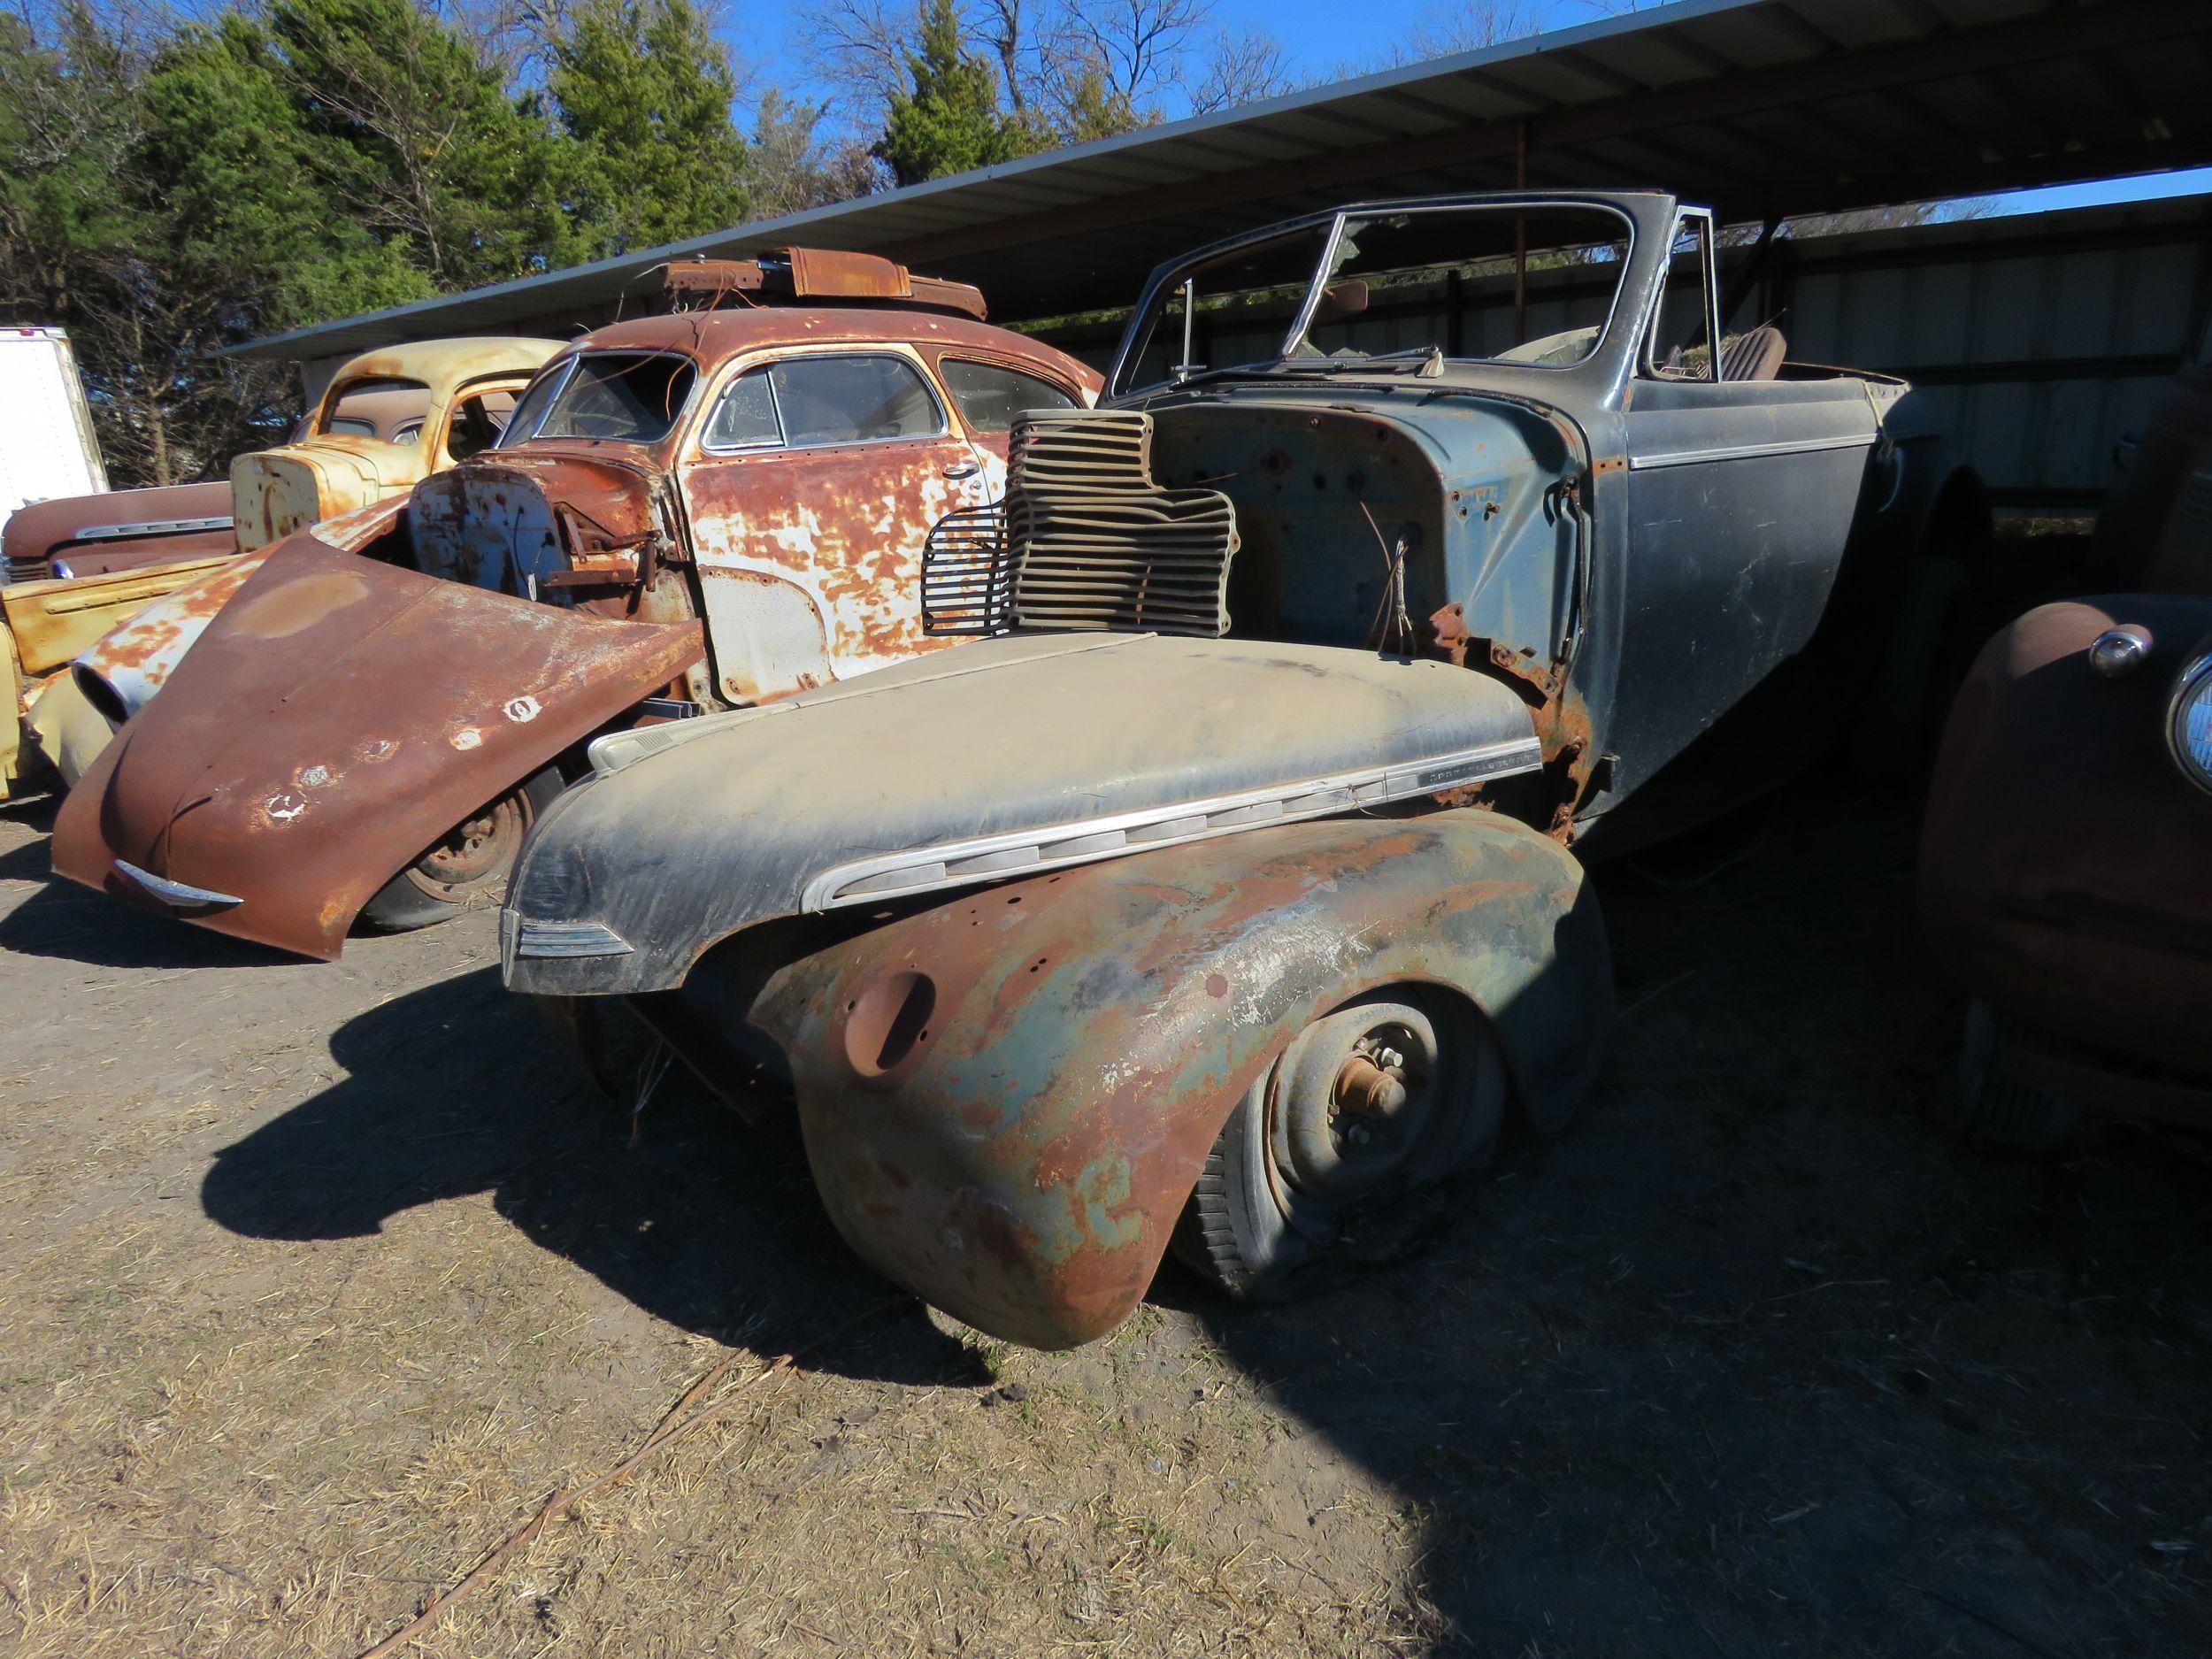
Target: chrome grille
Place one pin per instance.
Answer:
(1086, 539)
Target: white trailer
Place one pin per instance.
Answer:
(47, 448)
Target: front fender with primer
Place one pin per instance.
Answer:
(336, 716)
(1008, 1098)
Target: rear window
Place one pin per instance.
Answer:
(618, 396)
(990, 395)
(375, 406)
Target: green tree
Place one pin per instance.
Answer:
(417, 135)
(643, 93)
(950, 121)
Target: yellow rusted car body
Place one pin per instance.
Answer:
(470, 384)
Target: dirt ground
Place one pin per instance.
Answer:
(315, 1280)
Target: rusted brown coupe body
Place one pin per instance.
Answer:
(689, 512)
(2066, 862)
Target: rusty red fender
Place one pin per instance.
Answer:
(1007, 1099)
(2065, 860)
(336, 718)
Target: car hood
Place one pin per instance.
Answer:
(336, 716)
(1007, 756)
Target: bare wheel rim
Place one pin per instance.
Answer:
(1381, 1096)
(481, 847)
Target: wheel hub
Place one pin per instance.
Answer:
(479, 846)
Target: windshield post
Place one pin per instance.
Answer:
(1185, 364)
(1323, 270)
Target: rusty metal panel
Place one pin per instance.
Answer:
(54, 620)
(334, 719)
(1007, 1099)
(2066, 862)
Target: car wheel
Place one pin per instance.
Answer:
(466, 867)
(1989, 1104)
(1319, 1168)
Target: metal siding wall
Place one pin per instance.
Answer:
(2035, 362)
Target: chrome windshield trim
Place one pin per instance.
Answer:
(1086, 840)
(178, 895)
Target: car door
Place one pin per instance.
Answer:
(1742, 492)
(815, 479)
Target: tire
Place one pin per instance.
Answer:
(1893, 740)
(1990, 1105)
(1301, 1189)
(466, 867)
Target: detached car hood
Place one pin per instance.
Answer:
(1010, 756)
(336, 716)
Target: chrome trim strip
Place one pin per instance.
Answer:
(154, 526)
(982, 858)
(521, 936)
(1749, 451)
(178, 895)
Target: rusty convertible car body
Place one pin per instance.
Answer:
(687, 513)
(1220, 895)
(2066, 858)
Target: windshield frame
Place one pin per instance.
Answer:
(1173, 273)
(562, 369)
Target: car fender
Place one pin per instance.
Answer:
(2065, 859)
(1008, 1098)
(335, 717)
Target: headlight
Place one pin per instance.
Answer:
(2189, 721)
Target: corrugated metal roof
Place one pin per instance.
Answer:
(1757, 107)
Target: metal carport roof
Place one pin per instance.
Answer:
(1762, 108)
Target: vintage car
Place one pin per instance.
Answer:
(1219, 894)
(387, 419)
(368, 716)
(2066, 857)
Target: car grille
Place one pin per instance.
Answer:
(1085, 540)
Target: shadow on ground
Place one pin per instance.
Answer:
(1751, 1361)
(456, 1088)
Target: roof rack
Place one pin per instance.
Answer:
(782, 275)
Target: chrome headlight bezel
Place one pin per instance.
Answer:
(2191, 698)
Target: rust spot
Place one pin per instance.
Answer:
(1216, 986)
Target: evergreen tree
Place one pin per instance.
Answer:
(643, 92)
(951, 120)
